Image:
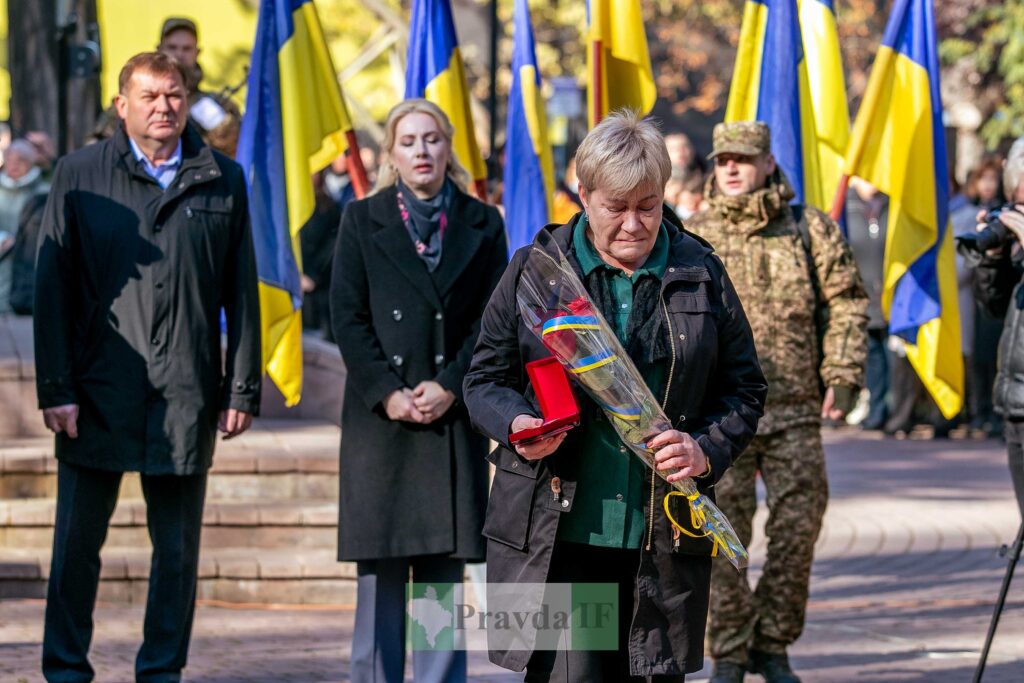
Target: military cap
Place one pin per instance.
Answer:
(741, 137)
(172, 24)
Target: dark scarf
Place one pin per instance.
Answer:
(426, 220)
(646, 342)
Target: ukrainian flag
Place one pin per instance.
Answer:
(529, 168)
(828, 92)
(435, 72)
(898, 145)
(294, 125)
(770, 84)
(618, 64)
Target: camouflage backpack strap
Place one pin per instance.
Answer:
(803, 229)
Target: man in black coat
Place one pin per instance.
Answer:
(145, 240)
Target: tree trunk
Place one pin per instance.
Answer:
(36, 73)
(32, 58)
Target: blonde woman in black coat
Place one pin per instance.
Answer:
(414, 266)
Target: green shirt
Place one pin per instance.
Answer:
(608, 508)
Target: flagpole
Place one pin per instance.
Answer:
(354, 163)
(595, 49)
(840, 199)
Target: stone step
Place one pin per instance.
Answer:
(226, 523)
(280, 459)
(237, 575)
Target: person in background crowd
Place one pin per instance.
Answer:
(413, 268)
(998, 288)
(145, 241)
(982, 191)
(798, 282)
(21, 182)
(317, 238)
(685, 160)
(689, 198)
(566, 202)
(867, 217)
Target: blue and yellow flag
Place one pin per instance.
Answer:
(529, 168)
(898, 145)
(618, 64)
(294, 125)
(770, 84)
(828, 92)
(434, 71)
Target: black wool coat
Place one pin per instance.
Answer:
(410, 489)
(715, 392)
(130, 283)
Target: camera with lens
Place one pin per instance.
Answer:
(992, 236)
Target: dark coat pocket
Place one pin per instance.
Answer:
(511, 501)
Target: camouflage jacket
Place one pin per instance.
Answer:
(758, 238)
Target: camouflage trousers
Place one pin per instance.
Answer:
(770, 617)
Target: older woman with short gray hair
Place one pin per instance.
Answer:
(671, 304)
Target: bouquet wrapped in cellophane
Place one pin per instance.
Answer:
(554, 304)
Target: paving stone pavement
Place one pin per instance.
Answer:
(903, 587)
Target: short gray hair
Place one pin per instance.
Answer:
(1013, 168)
(623, 153)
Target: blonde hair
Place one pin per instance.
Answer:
(388, 174)
(622, 153)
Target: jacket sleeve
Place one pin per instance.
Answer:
(243, 364)
(494, 385)
(369, 372)
(994, 280)
(496, 253)
(734, 401)
(55, 300)
(845, 342)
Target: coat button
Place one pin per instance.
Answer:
(671, 270)
(438, 316)
(682, 337)
(397, 315)
(154, 341)
(565, 503)
(438, 359)
(682, 418)
(397, 360)
(239, 386)
(188, 211)
(515, 465)
(618, 497)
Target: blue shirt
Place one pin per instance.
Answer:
(162, 173)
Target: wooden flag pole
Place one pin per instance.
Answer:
(354, 162)
(840, 199)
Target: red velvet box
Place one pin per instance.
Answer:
(557, 402)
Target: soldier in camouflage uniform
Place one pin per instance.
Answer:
(215, 116)
(800, 288)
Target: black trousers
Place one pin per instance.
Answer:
(579, 563)
(1014, 432)
(174, 515)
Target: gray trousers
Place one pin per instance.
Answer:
(378, 644)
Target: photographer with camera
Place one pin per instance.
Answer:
(996, 253)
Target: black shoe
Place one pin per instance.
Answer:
(774, 668)
(727, 672)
